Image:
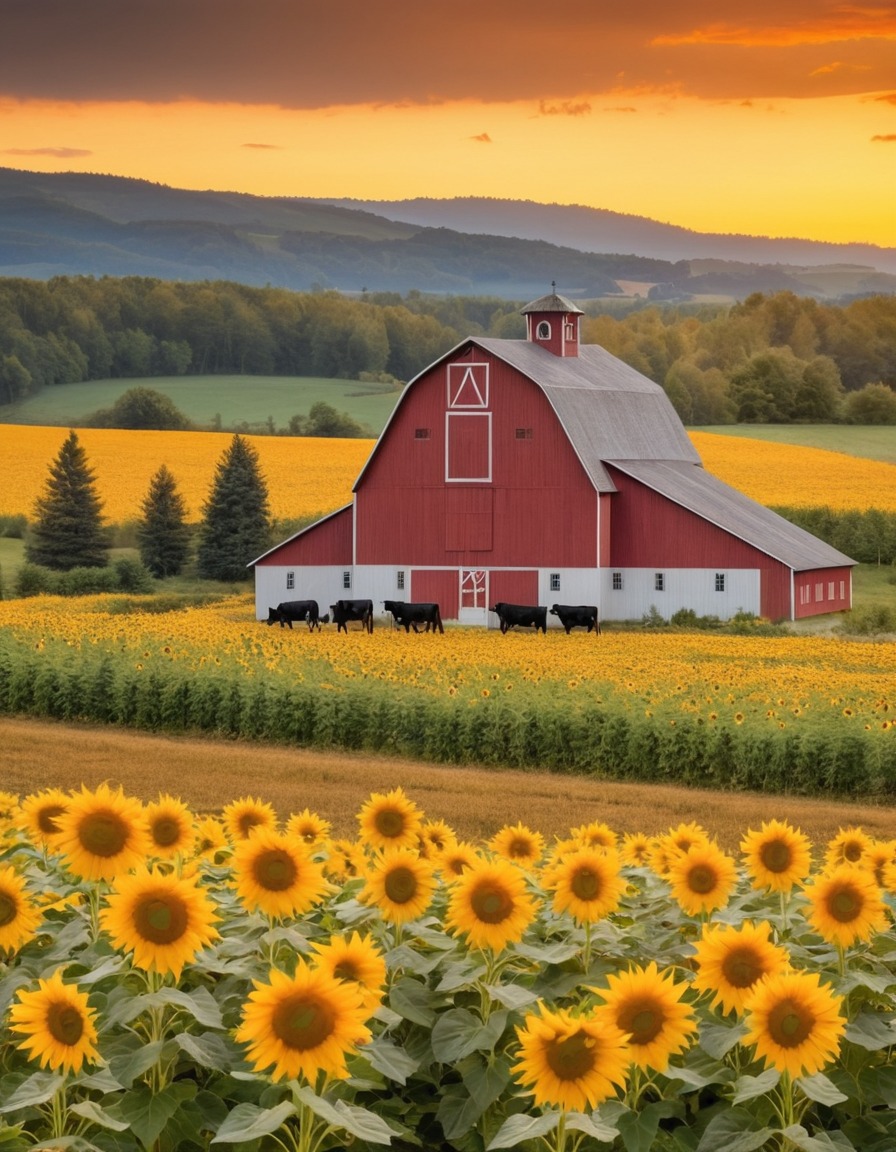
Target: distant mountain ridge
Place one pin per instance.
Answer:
(88, 224)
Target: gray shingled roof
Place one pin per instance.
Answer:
(553, 302)
(713, 500)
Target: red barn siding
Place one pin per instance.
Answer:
(326, 542)
(818, 591)
(513, 587)
(436, 586)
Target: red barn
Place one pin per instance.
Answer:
(544, 470)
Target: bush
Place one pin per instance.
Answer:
(870, 620)
(13, 527)
(34, 580)
(132, 576)
(86, 581)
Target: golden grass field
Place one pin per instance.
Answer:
(207, 774)
(307, 476)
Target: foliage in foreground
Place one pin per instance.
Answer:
(172, 982)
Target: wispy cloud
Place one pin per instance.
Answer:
(482, 138)
(58, 153)
(622, 108)
(890, 138)
(840, 23)
(275, 147)
(564, 108)
(889, 98)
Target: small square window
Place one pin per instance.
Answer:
(659, 581)
(524, 433)
(617, 581)
(422, 433)
(555, 581)
(720, 581)
(346, 579)
(290, 579)
(399, 581)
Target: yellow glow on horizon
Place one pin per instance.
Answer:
(803, 168)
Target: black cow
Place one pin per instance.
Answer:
(410, 615)
(344, 610)
(291, 610)
(577, 616)
(524, 615)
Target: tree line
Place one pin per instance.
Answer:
(769, 359)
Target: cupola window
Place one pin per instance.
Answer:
(543, 331)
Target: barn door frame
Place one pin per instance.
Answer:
(473, 596)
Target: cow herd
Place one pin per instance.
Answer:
(406, 615)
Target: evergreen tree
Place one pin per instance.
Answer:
(236, 524)
(163, 534)
(68, 527)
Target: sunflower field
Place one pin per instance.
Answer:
(170, 981)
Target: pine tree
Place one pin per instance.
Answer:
(163, 534)
(68, 527)
(236, 524)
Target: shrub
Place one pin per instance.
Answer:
(132, 576)
(869, 620)
(34, 580)
(13, 527)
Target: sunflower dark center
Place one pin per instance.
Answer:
(400, 885)
(776, 856)
(9, 908)
(491, 903)
(103, 833)
(572, 1057)
(166, 831)
(161, 918)
(742, 968)
(247, 821)
(519, 848)
(65, 1023)
(302, 1022)
(586, 884)
(643, 1019)
(390, 823)
(702, 879)
(852, 851)
(346, 970)
(46, 818)
(790, 1023)
(845, 904)
(274, 870)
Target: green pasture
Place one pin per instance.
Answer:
(869, 441)
(212, 401)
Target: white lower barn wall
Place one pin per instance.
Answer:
(693, 588)
(325, 584)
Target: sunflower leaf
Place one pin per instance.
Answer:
(37, 1089)
(147, 1112)
(392, 1061)
(521, 1127)
(820, 1089)
(199, 1003)
(210, 1050)
(93, 1112)
(249, 1122)
(412, 1000)
(719, 1039)
(749, 1087)
(733, 1130)
(593, 1126)
(870, 1032)
(356, 1121)
(820, 1142)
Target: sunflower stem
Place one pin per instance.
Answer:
(59, 1113)
(586, 951)
(786, 1100)
(841, 960)
(560, 1145)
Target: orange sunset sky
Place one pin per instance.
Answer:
(766, 117)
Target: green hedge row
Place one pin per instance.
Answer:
(868, 536)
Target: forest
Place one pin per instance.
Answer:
(776, 358)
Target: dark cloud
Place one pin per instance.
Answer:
(303, 55)
(482, 138)
(60, 153)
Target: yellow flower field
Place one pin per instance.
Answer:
(307, 476)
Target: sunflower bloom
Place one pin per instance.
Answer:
(345, 861)
(274, 873)
(702, 879)
(518, 844)
(357, 960)
(400, 884)
(586, 884)
(19, 915)
(683, 837)
(57, 1023)
(596, 834)
(102, 834)
(635, 849)
(436, 836)
(303, 1024)
(777, 856)
(845, 906)
(647, 1006)
(210, 837)
(570, 1062)
(163, 919)
(732, 960)
(795, 1022)
(879, 857)
(490, 905)
(456, 859)
(240, 817)
(172, 827)
(41, 812)
(847, 847)
(310, 828)
(389, 820)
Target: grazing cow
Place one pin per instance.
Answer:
(291, 610)
(524, 615)
(410, 615)
(577, 616)
(344, 610)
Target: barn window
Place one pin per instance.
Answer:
(659, 581)
(422, 433)
(543, 331)
(569, 330)
(290, 579)
(555, 581)
(617, 581)
(346, 579)
(842, 589)
(399, 581)
(819, 592)
(720, 581)
(831, 590)
(524, 433)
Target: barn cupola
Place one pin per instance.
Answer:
(553, 322)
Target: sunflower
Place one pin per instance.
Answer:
(595, 835)
(435, 837)
(587, 884)
(19, 915)
(570, 1062)
(732, 960)
(777, 856)
(274, 873)
(57, 1023)
(490, 905)
(647, 1006)
(356, 959)
(389, 820)
(241, 816)
(683, 837)
(795, 1022)
(635, 849)
(456, 859)
(880, 856)
(210, 837)
(400, 883)
(702, 879)
(847, 847)
(172, 827)
(310, 828)
(303, 1024)
(41, 812)
(518, 844)
(845, 906)
(102, 833)
(165, 920)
